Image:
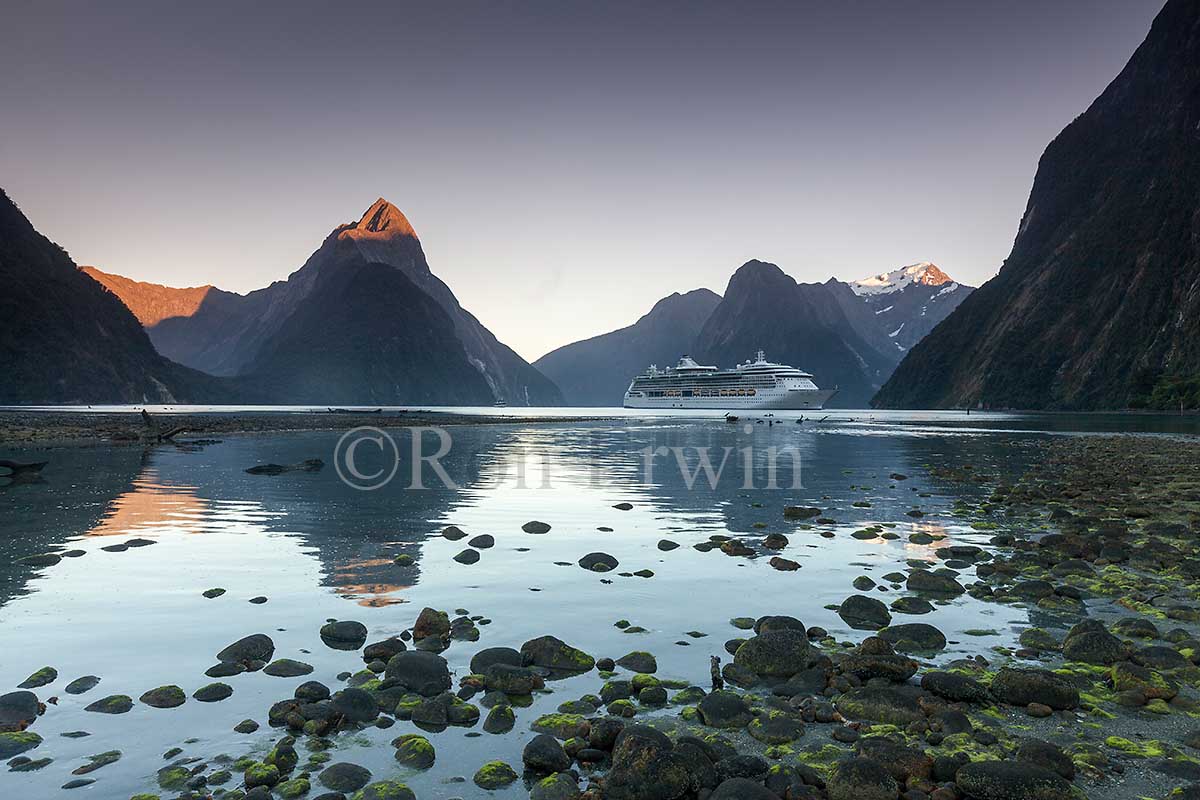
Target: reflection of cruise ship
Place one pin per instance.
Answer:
(754, 384)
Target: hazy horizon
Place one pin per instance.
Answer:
(564, 166)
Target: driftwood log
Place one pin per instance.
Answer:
(157, 431)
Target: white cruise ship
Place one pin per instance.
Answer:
(758, 384)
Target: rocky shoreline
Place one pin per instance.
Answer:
(19, 428)
(1099, 700)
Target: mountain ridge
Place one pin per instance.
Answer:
(227, 333)
(597, 370)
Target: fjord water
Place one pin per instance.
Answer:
(320, 550)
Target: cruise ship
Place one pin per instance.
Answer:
(757, 384)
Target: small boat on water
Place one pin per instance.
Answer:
(353, 411)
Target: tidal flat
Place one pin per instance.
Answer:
(995, 607)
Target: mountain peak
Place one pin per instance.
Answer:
(925, 273)
(381, 220)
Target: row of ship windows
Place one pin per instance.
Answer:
(704, 393)
(711, 385)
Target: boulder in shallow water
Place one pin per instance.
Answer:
(81, 685)
(467, 556)
(545, 755)
(914, 637)
(257, 647)
(780, 652)
(598, 562)
(13, 743)
(18, 710)
(934, 583)
(287, 668)
(864, 613)
(113, 704)
(344, 777)
(495, 655)
(431, 622)
(419, 671)
(344, 634)
(169, 696)
(554, 654)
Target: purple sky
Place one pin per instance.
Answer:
(565, 164)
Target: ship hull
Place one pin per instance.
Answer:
(800, 400)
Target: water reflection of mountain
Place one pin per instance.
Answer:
(356, 535)
(74, 497)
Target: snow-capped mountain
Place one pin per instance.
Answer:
(895, 310)
(923, 273)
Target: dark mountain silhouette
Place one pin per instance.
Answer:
(66, 339)
(230, 334)
(597, 371)
(1100, 298)
(801, 324)
(366, 335)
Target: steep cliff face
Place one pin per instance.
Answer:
(229, 334)
(597, 371)
(798, 324)
(64, 338)
(1101, 293)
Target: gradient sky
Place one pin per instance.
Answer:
(565, 164)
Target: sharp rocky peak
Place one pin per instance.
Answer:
(382, 219)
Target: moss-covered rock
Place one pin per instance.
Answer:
(385, 790)
(17, 742)
(113, 704)
(1011, 780)
(259, 774)
(562, 726)
(554, 654)
(169, 696)
(415, 751)
(494, 775)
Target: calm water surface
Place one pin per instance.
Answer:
(320, 550)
